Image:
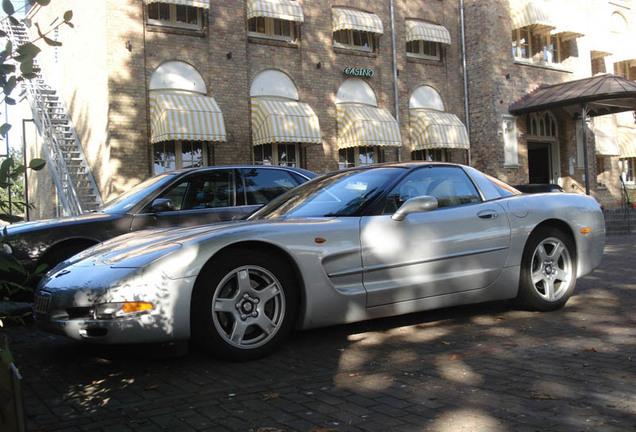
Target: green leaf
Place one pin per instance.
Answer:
(13, 20)
(28, 50)
(5, 167)
(28, 76)
(37, 26)
(4, 129)
(68, 15)
(37, 164)
(10, 85)
(7, 7)
(7, 69)
(20, 169)
(70, 24)
(9, 101)
(2, 34)
(43, 2)
(26, 66)
(51, 42)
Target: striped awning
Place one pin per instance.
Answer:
(279, 121)
(437, 130)
(188, 117)
(362, 125)
(627, 142)
(423, 31)
(288, 10)
(606, 143)
(203, 4)
(352, 19)
(570, 23)
(535, 13)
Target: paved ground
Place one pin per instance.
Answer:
(479, 368)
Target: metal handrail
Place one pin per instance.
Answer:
(54, 155)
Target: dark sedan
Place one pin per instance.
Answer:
(538, 188)
(180, 198)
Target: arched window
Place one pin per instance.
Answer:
(433, 132)
(542, 125)
(183, 120)
(280, 123)
(363, 128)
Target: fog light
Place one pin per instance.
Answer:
(121, 310)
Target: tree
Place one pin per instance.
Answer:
(16, 65)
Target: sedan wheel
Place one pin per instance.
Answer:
(243, 305)
(548, 271)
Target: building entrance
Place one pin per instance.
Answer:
(539, 162)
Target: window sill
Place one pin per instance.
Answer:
(512, 166)
(152, 28)
(422, 60)
(542, 65)
(258, 40)
(354, 51)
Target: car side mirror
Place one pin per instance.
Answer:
(161, 205)
(419, 204)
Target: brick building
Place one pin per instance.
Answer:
(152, 85)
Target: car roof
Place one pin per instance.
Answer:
(303, 172)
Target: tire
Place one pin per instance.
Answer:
(244, 305)
(548, 271)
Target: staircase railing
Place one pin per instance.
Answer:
(61, 145)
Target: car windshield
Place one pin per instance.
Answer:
(130, 198)
(344, 193)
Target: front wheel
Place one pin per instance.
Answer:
(243, 305)
(548, 271)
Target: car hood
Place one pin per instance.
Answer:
(142, 247)
(23, 227)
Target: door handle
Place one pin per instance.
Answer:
(487, 214)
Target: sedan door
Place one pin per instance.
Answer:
(460, 246)
(261, 185)
(199, 198)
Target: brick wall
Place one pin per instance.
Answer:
(107, 61)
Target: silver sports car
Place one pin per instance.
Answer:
(348, 246)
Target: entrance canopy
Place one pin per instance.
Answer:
(589, 97)
(601, 95)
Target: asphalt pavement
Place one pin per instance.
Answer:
(479, 368)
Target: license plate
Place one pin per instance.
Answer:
(41, 303)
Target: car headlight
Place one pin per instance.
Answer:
(122, 310)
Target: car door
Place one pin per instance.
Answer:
(460, 246)
(260, 185)
(201, 197)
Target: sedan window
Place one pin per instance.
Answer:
(263, 185)
(213, 189)
(448, 184)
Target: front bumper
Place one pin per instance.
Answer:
(72, 312)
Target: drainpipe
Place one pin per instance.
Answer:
(395, 75)
(463, 31)
(584, 113)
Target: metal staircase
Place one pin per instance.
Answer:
(74, 182)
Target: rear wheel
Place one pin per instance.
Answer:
(548, 271)
(243, 305)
